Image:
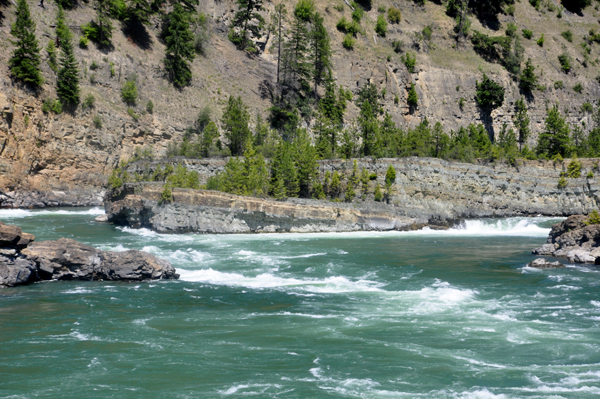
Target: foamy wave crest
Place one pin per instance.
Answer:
(504, 227)
(23, 213)
(269, 281)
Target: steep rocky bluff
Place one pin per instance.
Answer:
(60, 154)
(575, 239)
(426, 192)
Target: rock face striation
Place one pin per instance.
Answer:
(23, 261)
(573, 239)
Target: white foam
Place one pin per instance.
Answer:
(504, 227)
(595, 303)
(22, 213)
(479, 394)
(78, 290)
(269, 281)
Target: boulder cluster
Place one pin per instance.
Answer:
(24, 261)
(575, 239)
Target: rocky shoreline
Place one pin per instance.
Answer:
(23, 261)
(575, 238)
(53, 198)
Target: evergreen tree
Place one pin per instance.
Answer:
(235, 123)
(369, 128)
(490, 95)
(209, 134)
(247, 24)
(521, 123)
(332, 104)
(413, 97)
(528, 79)
(62, 30)
(180, 46)
(104, 27)
(68, 74)
(25, 61)
(278, 19)
(284, 170)
(306, 164)
(296, 67)
(555, 139)
(321, 51)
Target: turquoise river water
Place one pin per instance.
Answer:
(425, 314)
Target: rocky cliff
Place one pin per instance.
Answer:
(426, 192)
(43, 152)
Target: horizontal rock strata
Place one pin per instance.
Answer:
(23, 261)
(573, 239)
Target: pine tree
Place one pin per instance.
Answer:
(413, 97)
(528, 79)
(62, 30)
(555, 139)
(321, 51)
(68, 74)
(103, 24)
(247, 24)
(296, 67)
(278, 19)
(25, 61)
(180, 46)
(235, 123)
(521, 123)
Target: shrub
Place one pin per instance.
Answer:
(587, 107)
(88, 102)
(568, 35)
(358, 13)
(565, 62)
(394, 15)
(84, 41)
(427, 33)
(342, 24)
(590, 175)
(304, 10)
(511, 29)
(527, 34)
(398, 45)
(562, 182)
(461, 103)
(381, 26)
(47, 106)
(150, 107)
(578, 88)
(378, 193)
(558, 85)
(396, 99)
(409, 62)
(132, 113)
(413, 98)
(112, 70)
(535, 3)
(574, 169)
(348, 41)
(593, 217)
(97, 121)
(540, 41)
(129, 92)
(510, 10)
(94, 66)
(381, 9)
(166, 195)
(52, 54)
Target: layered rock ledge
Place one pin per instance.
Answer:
(575, 239)
(23, 261)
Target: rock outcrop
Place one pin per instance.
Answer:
(541, 263)
(573, 239)
(23, 261)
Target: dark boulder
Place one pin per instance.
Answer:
(16, 271)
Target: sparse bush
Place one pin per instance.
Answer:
(593, 217)
(84, 41)
(587, 107)
(394, 15)
(304, 10)
(88, 102)
(565, 62)
(510, 10)
(132, 113)
(129, 92)
(590, 175)
(381, 26)
(52, 105)
(97, 121)
(558, 85)
(540, 41)
(578, 88)
(348, 42)
(427, 33)
(150, 107)
(94, 66)
(166, 195)
(410, 62)
(574, 169)
(381, 9)
(562, 182)
(536, 4)
(112, 70)
(568, 35)
(527, 34)
(511, 29)
(398, 45)
(358, 13)
(413, 98)
(461, 103)
(378, 193)
(396, 99)
(52, 54)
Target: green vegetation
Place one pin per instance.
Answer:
(555, 139)
(381, 26)
(24, 63)
(527, 34)
(88, 102)
(574, 169)
(150, 107)
(52, 55)
(593, 217)
(68, 73)
(97, 121)
(528, 79)
(540, 41)
(490, 95)
(578, 88)
(394, 15)
(565, 62)
(410, 62)
(84, 42)
(129, 92)
(559, 84)
(568, 35)
(348, 42)
(180, 48)
(247, 24)
(235, 124)
(413, 98)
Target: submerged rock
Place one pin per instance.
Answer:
(541, 263)
(573, 239)
(67, 259)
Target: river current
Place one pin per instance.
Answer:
(431, 314)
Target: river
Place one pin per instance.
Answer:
(431, 314)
